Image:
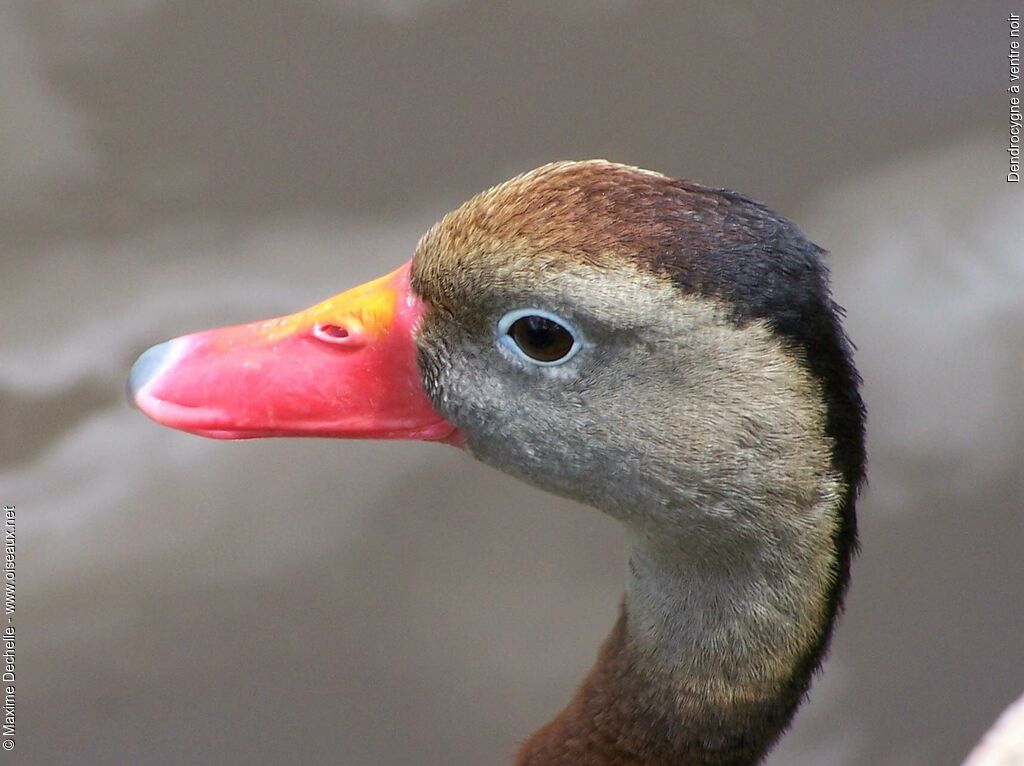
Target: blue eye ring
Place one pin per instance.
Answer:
(562, 339)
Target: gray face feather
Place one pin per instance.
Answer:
(705, 439)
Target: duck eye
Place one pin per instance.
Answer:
(540, 337)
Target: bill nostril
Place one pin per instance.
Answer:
(342, 335)
(331, 331)
(148, 366)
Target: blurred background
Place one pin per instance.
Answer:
(169, 165)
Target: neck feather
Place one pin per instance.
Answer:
(708, 660)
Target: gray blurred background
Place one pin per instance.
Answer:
(168, 165)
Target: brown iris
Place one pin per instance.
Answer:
(541, 338)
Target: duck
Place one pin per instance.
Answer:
(666, 352)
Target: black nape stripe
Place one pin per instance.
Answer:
(764, 267)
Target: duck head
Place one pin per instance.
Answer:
(666, 352)
(589, 327)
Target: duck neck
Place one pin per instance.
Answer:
(712, 653)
